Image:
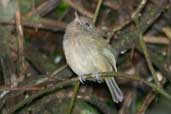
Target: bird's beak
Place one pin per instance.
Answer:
(77, 18)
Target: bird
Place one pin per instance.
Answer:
(87, 52)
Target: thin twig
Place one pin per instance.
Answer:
(51, 76)
(111, 4)
(156, 40)
(128, 98)
(118, 28)
(40, 23)
(44, 8)
(147, 101)
(167, 31)
(79, 8)
(75, 93)
(58, 70)
(149, 63)
(139, 9)
(97, 11)
(20, 43)
(23, 88)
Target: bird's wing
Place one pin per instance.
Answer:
(105, 49)
(110, 57)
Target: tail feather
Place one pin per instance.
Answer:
(114, 89)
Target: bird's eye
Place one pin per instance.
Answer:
(87, 24)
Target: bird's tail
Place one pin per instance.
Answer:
(114, 89)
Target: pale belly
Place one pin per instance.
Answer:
(85, 60)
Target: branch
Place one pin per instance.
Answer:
(63, 84)
(97, 11)
(44, 8)
(73, 100)
(79, 8)
(128, 36)
(148, 60)
(20, 39)
(39, 23)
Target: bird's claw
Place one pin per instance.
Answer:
(97, 78)
(82, 79)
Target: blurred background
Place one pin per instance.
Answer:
(34, 76)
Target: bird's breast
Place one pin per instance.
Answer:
(78, 56)
(84, 57)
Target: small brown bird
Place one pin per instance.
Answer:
(87, 52)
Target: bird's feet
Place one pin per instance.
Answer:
(95, 75)
(82, 78)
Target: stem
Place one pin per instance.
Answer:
(75, 93)
(97, 11)
(143, 46)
